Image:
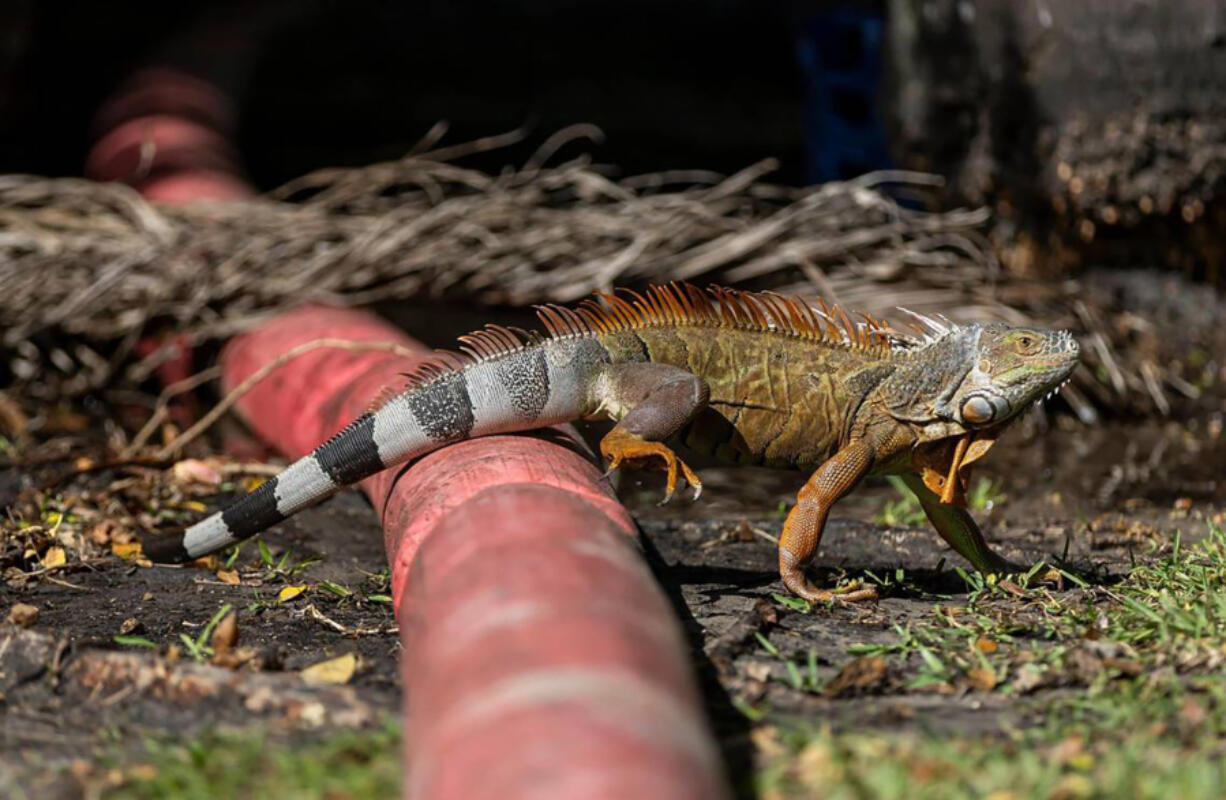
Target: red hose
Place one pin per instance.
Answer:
(541, 659)
(168, 134)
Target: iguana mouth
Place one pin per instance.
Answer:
(950, 484)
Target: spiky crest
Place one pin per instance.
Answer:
(670, 304)
(684, 304)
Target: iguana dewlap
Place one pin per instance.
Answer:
(750, 378)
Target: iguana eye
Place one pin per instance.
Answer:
(977, 410)
(1025, 343)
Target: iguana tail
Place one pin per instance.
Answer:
(505, 383)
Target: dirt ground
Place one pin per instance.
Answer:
(76, 701)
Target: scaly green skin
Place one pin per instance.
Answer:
(925, 410)
(774, 401)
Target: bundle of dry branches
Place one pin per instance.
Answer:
(87, 268)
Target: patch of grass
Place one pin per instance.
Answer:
(984, 495)
(1051, 764)
(348, 764)
(199, 648)
(1156, 738)
(1142, 714)
(903, 511)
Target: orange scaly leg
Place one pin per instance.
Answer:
(662, 400)
(802, 531)
(622, 448)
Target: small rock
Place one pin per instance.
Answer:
(131, 625)
(23, 615)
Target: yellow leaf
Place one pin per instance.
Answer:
(129, 551)
(194, 505)
(229, 576)
(289, 593)
(251, 483)
(207, 562)
(54, 557)
(334, 670)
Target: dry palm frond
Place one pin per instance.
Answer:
(87, 268)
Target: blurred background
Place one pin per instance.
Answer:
(1095, 123)
(1073, 158)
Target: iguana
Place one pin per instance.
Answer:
(747, 377)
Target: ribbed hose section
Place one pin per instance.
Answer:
(541, 659)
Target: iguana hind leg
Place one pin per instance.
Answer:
(958, 528)
(802, 531)
(661, 400)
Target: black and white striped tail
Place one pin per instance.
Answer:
(527, 388)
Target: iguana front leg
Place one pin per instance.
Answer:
(802, 531)
(958, 528)
(654, 402)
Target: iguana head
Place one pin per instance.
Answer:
(959, 385)
(973, 377)
(1012, 368)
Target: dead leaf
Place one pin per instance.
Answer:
(1065, 750)
(130, 626)
(131, 551)
(229, 576)
(767, 743)
(13, 421)
(983, 680)
(54, 557)
(288, 593)
(335, 670)
(225, 635)
(817, 766)
(1028, 678)
(195, 471)
(857, 676)
(128, 551)
(210, 563)
(142, 772)
(64, 420)
(1192, 714)
(103, 532)
(23, 615)
(758, 670)
(1125, 666)
(985, 645)
(1012, 588)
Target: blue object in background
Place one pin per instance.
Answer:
(840, 53)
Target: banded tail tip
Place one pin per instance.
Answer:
(165, 548)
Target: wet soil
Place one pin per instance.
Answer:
(1098, 498)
